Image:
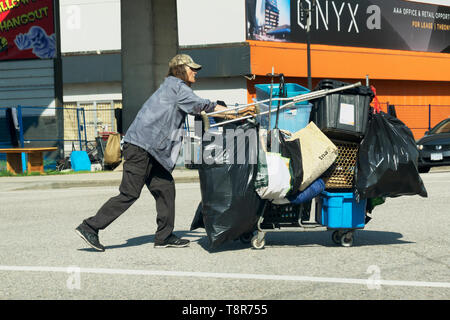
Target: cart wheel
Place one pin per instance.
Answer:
(336, 237)
(246, 237)
(346, 240)
(258, 244)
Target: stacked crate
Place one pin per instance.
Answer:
(343, 117)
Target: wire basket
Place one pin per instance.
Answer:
(341, 174)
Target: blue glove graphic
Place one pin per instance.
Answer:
(43, 46)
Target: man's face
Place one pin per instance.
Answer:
(191, 73)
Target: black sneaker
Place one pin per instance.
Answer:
(91, 238)
(173, 242)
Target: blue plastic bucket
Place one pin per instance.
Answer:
(340, 210)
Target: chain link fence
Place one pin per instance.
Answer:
(84, 121)
(419, 118)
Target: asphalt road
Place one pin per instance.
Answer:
(403, 253)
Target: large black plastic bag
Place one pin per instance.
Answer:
(230, 206)
(387, 160)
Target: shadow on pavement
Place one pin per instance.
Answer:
(361, 238)
(146, 239)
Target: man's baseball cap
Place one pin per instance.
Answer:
(183, 59)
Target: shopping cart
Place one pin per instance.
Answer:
(336, 211)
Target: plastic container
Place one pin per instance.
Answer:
(277, 215)
(291, 89)
(340, 210)
(342, 115)
(292, 118)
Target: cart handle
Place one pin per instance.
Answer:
(293, 100)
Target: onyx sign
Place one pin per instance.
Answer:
(393, 24)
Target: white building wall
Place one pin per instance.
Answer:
(209, 22)
(83, 92)
(202, 22)
(232, 90)
(90, 25)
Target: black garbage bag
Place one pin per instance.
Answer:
(230, 205)
(387, 160)
(197, 222)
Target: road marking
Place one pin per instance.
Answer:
(216, 275)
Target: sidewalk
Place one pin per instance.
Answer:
(97, 179)
(93, 179)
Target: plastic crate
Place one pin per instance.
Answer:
(277, 215)
(341, 210)
(291, 118)
(341, 174)
(292, 90)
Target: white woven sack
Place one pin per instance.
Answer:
(318, 153)
(279, 177)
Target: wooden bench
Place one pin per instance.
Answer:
(35, 162)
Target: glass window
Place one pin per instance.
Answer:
(443, 127)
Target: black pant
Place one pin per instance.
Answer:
(140, 168)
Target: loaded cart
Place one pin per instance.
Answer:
(329, 196)
(335, 211)
(334, 206)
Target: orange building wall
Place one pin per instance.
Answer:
(348, 62)
(412, 81)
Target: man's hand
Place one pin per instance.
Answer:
(248, 111)
(233, 114)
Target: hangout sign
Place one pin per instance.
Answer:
(393, 24)
(27, 30)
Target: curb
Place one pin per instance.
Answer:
(86, 183)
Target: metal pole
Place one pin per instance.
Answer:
(85, 134)
(308, 48)
(270, 98)
(429, 117)
(58, 80)
(21, 139)
(20, 120)
(308, 40)
(78, 123)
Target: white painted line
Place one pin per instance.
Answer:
(242, 276)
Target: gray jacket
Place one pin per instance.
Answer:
(158, 125)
